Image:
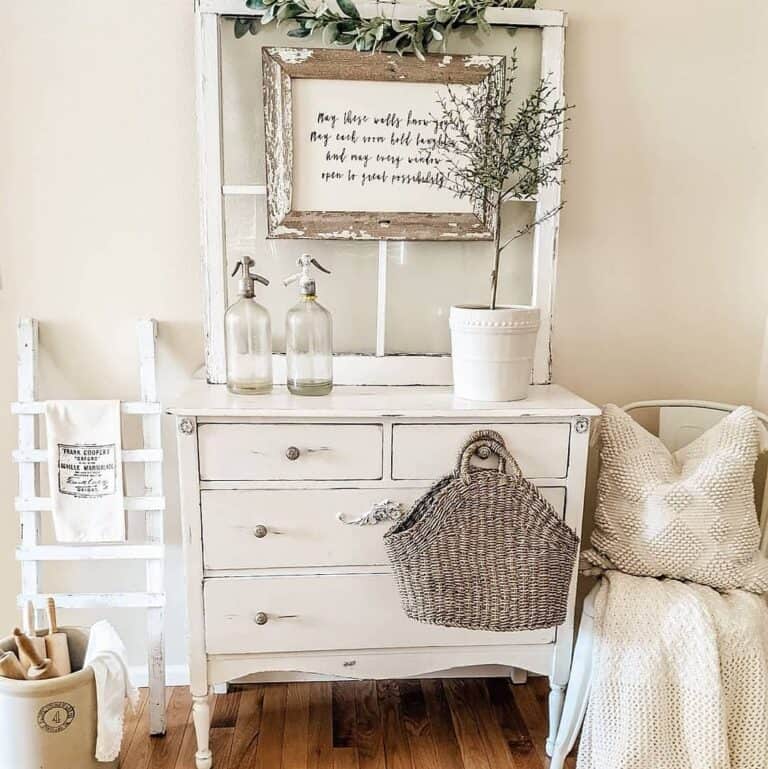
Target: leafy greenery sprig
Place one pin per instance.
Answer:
(487, 151)
(347, 27)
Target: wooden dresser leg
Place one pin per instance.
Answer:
(556, 697)
(201, 715)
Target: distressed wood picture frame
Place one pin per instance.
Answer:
(283, 66)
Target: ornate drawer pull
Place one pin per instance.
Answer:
(292, 453)
(261, 618)
(260, 531)
(386, 510)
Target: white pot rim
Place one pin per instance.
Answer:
(505, 319)
(498, 308)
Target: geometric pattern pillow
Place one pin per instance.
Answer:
(688, 515)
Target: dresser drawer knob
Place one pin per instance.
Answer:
(260, 531)
(292, 453)
(261, 618)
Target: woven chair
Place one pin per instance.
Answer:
(680, 422)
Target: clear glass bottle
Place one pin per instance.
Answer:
(308, 336)
(249, 337)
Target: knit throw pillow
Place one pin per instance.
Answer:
(688, 515)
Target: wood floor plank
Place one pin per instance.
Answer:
(320, 740)
(345, 758)
(496, 747)
(428, 724)
(510, 720)
(136, 755)
(165, 750)
(465, 724)
(296, 726)
(417, 727)
(269, 750)
(397, 751)
(369, 735)
(344, 718)
(247, 727)
(186, 757)
(225, 709)
(441, 724)
(221, 745)
(132, 720)
(534, 717)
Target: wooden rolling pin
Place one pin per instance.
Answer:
(56, 645)
(29, 630)
(10, 667)
(42, 667)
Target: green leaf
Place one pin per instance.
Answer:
(348, 8)
(269, 14)
(289, 11)
(254, 4)
(437, 32)
(242, 27)
(482, 24)
(380, 32)
(330, 33)
(299, 32)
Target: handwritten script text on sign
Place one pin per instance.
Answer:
(363, 146)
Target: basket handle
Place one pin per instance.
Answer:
(489, 439)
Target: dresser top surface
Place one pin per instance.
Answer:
(205, 400)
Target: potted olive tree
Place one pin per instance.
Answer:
(491, 152)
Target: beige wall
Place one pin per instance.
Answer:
(662, 275)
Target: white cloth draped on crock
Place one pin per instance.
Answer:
(679, 678)
(85, 470)
(106, 657)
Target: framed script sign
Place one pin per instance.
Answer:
(348, 138)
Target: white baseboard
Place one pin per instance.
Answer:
(175, 675)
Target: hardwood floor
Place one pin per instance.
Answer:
(430, 724)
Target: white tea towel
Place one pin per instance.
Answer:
(106, 657)
(680, 677)
(85, 470)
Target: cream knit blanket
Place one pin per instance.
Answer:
(680, 678)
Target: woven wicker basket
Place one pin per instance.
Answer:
(482, 549)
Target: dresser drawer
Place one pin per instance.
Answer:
(282, 529)
(318, 613)
(429, 451)
(284, 452)
(267, 529)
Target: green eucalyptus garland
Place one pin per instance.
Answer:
(346, 27)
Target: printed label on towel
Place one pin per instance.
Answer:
(87, 470)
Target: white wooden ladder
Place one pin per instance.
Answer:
(29, 505)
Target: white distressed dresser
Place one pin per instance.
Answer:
(277, 583)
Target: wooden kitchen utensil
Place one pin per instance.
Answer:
(30, 631)
(10, 667)
(41, 667)
(56, 645)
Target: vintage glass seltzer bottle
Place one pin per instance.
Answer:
(248, 337)
(308, 336)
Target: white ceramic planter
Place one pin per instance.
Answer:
(493, 351)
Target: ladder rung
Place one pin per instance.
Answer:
(95, 600)
(90, 552)
(129, 455)
(131, 504)
(127, 407)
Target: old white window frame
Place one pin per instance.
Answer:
(381, 368)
